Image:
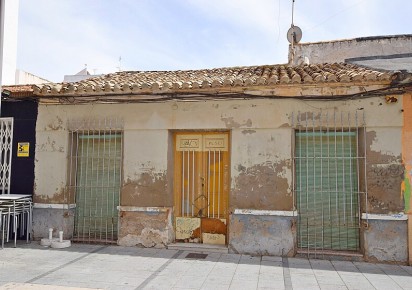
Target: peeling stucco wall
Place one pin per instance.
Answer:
(262, 179)
(260, 158)
(385, 171)
(146, 229)
(57, 219)
(386, 241)
(262, 235)
(145, 169)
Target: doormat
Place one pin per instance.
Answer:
(196, 256)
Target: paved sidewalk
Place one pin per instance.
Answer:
(113, 267)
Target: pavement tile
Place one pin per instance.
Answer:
(219, 286)
(277, 284)
(272, 258)
(114, 267)
(195, 282)
(407, 269)
(237, 284)
(332, 287)
(383, 282)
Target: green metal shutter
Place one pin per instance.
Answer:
(327, 190)
(97, 186)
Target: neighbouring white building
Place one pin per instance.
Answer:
(10, 12)
(388, 52)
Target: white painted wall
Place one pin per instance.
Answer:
(25, 78)
(340, 50)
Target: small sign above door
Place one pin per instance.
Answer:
(189, 143)
(192, 142)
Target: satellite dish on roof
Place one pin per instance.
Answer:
(294, 34)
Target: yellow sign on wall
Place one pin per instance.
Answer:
(23, 149)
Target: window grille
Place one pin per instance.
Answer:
(95, 164)
(329, 180)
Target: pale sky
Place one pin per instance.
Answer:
(58, 37)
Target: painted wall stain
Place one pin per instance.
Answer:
(308, 116)
(149, 189)
(61, 196)
(262, 186)
(246, 132)
(230, 123)
(49, 146)
(55, 125)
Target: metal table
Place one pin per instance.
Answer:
(15, 210)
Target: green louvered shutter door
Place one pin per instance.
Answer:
(327, 190)
(97, 186)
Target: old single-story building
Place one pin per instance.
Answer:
(272, 159)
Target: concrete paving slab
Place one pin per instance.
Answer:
(29, 286)
(115, 267)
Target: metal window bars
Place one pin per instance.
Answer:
(94, 177)
(329, 179)
(201, 173)
(202, 196)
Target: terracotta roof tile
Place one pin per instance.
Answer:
(19, 91)
(152, 82)
(18, 88)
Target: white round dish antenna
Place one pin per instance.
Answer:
(294, 34)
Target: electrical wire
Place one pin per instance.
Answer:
(333, 15)
(394, 89)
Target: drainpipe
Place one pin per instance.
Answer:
(2, 14)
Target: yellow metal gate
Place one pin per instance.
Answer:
(201, 187)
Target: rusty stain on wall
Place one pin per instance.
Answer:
(149, 189)
(61, 196)
(147, 229)
(262, 186)
(385, 174)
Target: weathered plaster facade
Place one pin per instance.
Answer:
(386, 241)
(261, 167)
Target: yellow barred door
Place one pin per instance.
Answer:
(201, 187)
